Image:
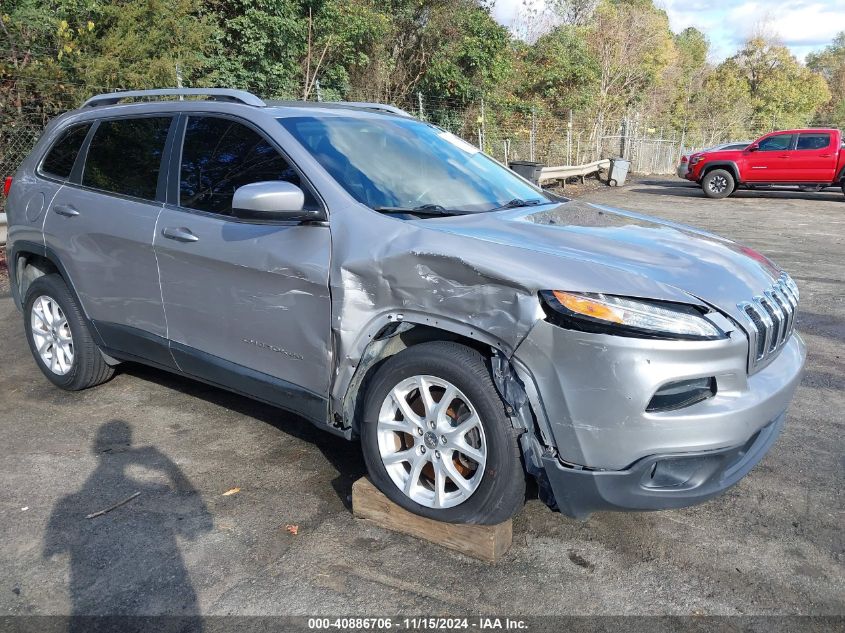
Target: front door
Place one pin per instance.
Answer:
(771, 161)
(101, 225)
(247, 303)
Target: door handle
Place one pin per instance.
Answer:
(783, 156)
(180, 234)
(67, 210)
(825, 155)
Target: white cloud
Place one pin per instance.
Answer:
(803, 25)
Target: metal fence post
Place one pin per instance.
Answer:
(623, 138)
(420, 111)
(533, 140)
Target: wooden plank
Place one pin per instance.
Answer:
(485, 542)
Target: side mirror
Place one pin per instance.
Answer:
(752, 148)
(271, 200)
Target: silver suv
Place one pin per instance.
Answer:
(391, 283)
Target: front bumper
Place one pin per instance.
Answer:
(659, 482)
(591, 392)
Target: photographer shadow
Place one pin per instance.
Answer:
(126, 564)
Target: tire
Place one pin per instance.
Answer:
(612, 182)
(71, 360)
(493, 481)
(843, 186)
(718, 183)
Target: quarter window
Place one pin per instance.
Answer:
(813, 141)
(779, 142)
(59, 161)
(219, 155)
(125, 156)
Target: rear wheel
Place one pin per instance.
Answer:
(436, 439)
(58, 336)
(718, 183)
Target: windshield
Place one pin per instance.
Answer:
(393, 163)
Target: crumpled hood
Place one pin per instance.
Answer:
(632, 248)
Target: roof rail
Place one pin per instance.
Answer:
(375, 106)
(216, 94)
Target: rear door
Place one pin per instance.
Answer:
(101, 225)
(54, 169)
(247, 303)
(771, 161)
(815, 157)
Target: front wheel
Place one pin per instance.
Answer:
(718, 183)
(436, 439)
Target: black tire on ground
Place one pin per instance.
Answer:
(843, 186)
(501, 491)
(88, 368)
(718, 183)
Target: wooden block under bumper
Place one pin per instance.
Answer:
(485, 542)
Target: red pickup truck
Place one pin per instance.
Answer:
(806, 158)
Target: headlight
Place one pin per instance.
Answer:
(607, 314)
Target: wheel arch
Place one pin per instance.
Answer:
(513, 381)
(390, 339)
(728, 165)
(27, 262)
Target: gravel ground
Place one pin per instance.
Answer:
(774, 544)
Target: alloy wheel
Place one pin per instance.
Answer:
(51, 335)
(718, 184)
(431, 441)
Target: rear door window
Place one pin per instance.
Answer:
(219, 155)
(814, 141)
(125, 156)
(777, 143)
(60, 159)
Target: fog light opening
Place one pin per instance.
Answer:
(680, 394)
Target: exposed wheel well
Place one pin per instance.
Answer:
(29, 267)
(391, 340)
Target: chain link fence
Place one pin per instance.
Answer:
(506, 131)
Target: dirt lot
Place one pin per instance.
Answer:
(774, 544)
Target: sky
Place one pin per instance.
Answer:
(803, 25)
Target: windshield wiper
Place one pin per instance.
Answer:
(519, 202)
(423, 209)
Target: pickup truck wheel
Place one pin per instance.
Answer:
(58, 336)
(436, 439)
(718, 183)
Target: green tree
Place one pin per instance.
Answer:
(632, 45)
(140, 43)
(262, 45)
(830, 64)
(783, 93)
(722, 109)
(560, 71)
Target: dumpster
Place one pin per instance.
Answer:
(618, 171)
(528, 169)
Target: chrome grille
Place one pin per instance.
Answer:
(770, 320)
